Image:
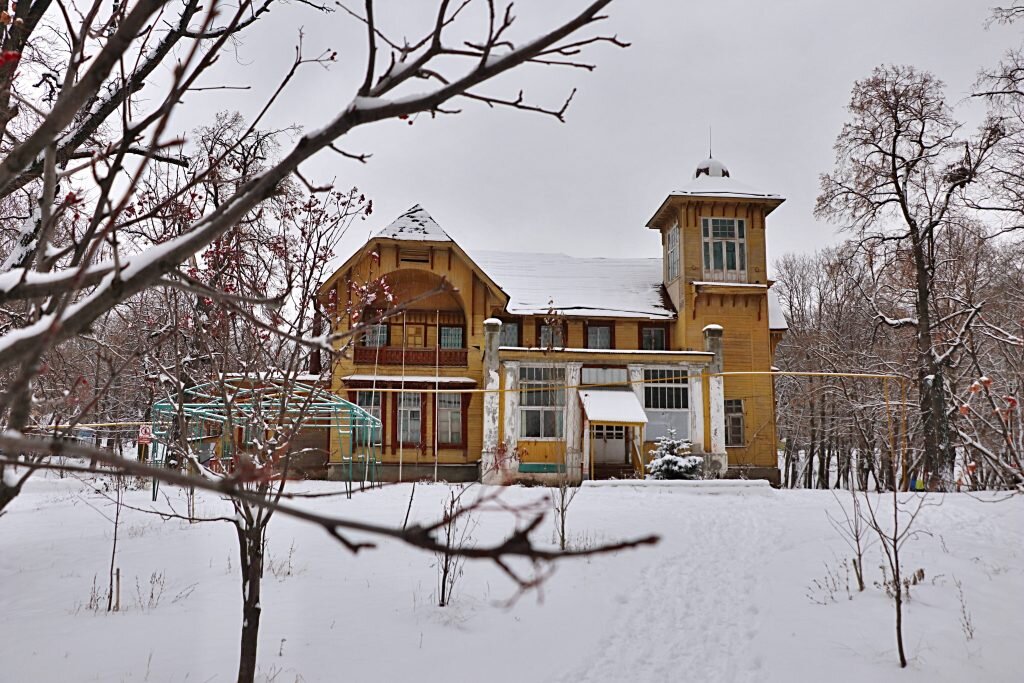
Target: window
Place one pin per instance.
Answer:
(666, 389)
(376, 335)
(599, 337)
(509, 334)
(549, 336)
(451, 337)
(370, 402)
(611, 378)
(449, 419)
(725, 248)
(415, 335)
(541, 402)
(734, 423)
(653, 338)
(667, 402)
(672, 252)
(410, 415)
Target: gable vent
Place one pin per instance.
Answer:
(414, 255)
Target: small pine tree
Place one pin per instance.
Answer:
(671, 459)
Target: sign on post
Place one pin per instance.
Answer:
(145, 433)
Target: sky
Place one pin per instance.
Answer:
(769, 79)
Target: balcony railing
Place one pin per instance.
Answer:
(393, 355)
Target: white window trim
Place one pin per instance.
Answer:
(520, 408)
(683, 382)
(672, 259)
(724, 275)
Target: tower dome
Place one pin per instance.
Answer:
(712, 168)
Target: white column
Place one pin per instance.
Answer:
(636, 378)
(696, 401)
(491, 403)
(511, 404)
(716, 398)
(573, 413)
(586, 448)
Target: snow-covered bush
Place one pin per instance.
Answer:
(671, 459)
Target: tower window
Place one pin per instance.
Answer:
(725, 248)
(734, 428)
(672, 252)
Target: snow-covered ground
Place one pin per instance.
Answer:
(728, 594)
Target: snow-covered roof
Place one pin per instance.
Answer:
(776, 318)
(722, 186)
(605, 406)
(573, 286)
(415, 224)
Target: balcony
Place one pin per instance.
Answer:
(393, 355)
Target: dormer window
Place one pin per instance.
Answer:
(725, 249)
(672, 252)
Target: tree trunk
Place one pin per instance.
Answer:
(250, 547)
(7, 493)
(931, 392)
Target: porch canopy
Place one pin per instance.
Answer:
(612, 407)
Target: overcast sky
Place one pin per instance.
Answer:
(770, 78)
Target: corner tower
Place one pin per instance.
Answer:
(716, 273)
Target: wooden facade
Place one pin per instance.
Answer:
(445, 297)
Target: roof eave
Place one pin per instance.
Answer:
(657, 220)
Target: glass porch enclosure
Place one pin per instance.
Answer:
(215, 421)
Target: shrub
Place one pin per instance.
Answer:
(671, 459)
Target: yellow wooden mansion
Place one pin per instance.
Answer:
(507, 366)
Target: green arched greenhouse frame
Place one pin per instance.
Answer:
(253, 405)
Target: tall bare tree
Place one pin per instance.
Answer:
(902, 167)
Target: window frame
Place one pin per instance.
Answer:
(519, 331)
(397, 409)
(587, 326)
(672, 260)
(738, 240)
(653, 326)
(375, 330)
(729, 408)
(557, 395)
(459, 412)
(462, 336)
(678, 378)
(675, 378)
(378, 397)
(562, 327)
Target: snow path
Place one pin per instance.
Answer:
(699, 593)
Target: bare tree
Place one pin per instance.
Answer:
(454, 534)
(892, 535)
(901, 169)
(104, 208)
(562, 496)
(80, 254)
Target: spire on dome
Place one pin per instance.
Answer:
(415, 224)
